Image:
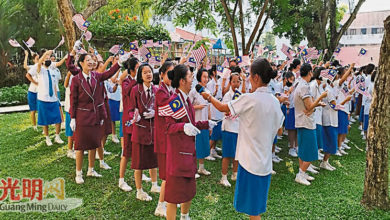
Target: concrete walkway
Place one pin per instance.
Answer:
(18, 108)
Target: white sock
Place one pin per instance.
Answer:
(121, 180)
(161, 203)
(301, 171)
(58, 136)
(90, 169)
(154, 184)
(139, 190)
(101, 161)
(184, 215)
(79, 173)
(47, 138)
(201, 166)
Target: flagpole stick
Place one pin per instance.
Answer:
(27, 47)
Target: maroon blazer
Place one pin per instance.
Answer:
(181, 155)
(127, 86)
(160, 128)
(87, 103)
(142, 132)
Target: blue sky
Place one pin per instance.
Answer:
(372, 5)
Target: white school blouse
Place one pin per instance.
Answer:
(197, 99)
(67, 94)
(260, 118)
(340, 95)
(302, 120)
(229, 124)
(117, 95)
(43, 85)
(329, 115)
(32, 70)
(316, 91)
(368, 100)
(212, 85)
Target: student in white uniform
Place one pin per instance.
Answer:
(230, 127)
(48, 110)
(57, 79)
(305, 124)
(114, 92)
(368, 100)
(68, 131)
(33, 88)
(202, 143)
(215, 87)
(260, 120)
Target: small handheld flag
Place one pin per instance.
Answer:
(362, 51)
(236, 94)
(62, 41)
(14, 43)
(115, 49)
(337, 50)
(174, 109)
(30, 42)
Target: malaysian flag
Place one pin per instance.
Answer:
(81, 23)
(14, 43)
(362, 51)
(158, 43)
(361, 89)
(191, 62)
(30, 42)
(328, 74)
(225, 63)
(236, 94)
(344, 90)
(174, 109)
(199, 54)
(155, 61)
(226, 73)
(220, 70)
(286, 51)
(115, 49)
(337, 50)
(134, 47)
(88, 35)
(147, 43)
(243, 61)
(144, 52)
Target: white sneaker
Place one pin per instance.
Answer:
(276, 159)
(93, 173)
(338, 153)
(225, 182)
(325, 165)
(362, 133)
(360, 127)
(143, 196)
(161, 210)
(71, 154)
(285, 133)
(155, 189)
(79, 179)
(203, 172)
(310, 178)
(105, 166)
(292, 152)
(299, 178)
(48, 142)
(332, 167)
(218, 149)
(145, 178)
(320, 156)
(234, 176)
(210, 158)
(364, 137)
(123, 186)
(58, 140)
(353, 120)
(312, 170)
(278, 148)
(115, 139)
(106, 152)
(346, 140)
(346, 146)
(214, 154)
(314, 167)
(343, 152)
(197, 176)
(279, 137)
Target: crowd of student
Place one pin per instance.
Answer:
(172, 123)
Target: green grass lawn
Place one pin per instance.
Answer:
(333, 195)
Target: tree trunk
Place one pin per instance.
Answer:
(241, 13)
(231, 24)
(376, 180)
(66, 12)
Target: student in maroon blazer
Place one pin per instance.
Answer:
(163, 95)
(87, 110)
(128, 81)
(181, 156)
(141, 110)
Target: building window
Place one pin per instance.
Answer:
(363, 31)
(352, 32)
(374, 30)
(380, 30)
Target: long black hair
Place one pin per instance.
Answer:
(139, 72)
(263, 68)
(179, 72)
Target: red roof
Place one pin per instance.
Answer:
(186, 35)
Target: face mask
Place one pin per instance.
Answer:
(288, 83)
(47, 63)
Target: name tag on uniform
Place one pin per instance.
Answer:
(184, 153)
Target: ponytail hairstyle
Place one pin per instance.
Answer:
(262, 68)
(178, 73)
(317, 73)
(166, 65)
(130, 64)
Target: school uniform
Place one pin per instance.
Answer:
(87, 105)
(290, 119)
(120, 118)
(202, 142)
(274, 89)
(57, 79)
(107, 129)
(216, 115)
(230, 128)
(305, 124)
(127, 86)
(32, 89)
(367, 103)
(143, 156)
(163, 95)
(343, 113)
(316, 90)
(260, 118)
(181, 155)
(48, 111)
(68, 130)
(114, 99)
(330, 122)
